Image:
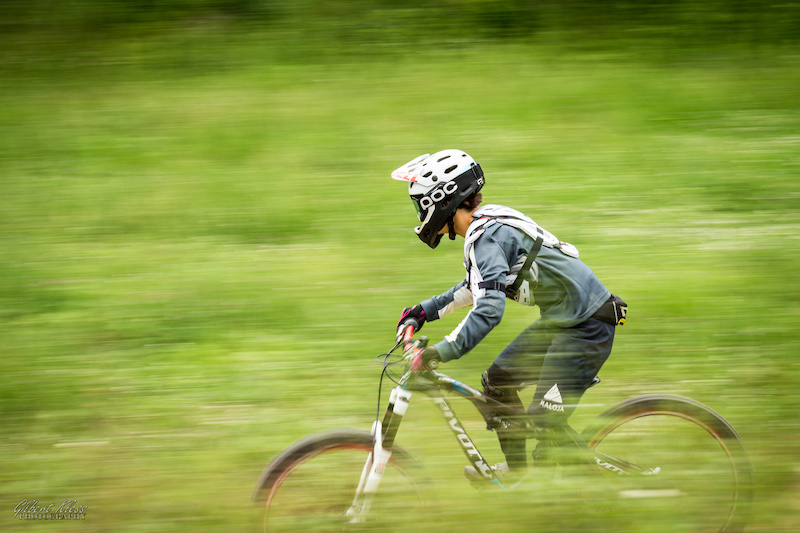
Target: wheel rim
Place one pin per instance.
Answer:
(313, 492)
(693, 457)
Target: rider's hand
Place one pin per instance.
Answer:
(425, 359)
(416, 312)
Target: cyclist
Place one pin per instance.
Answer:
(508, 256)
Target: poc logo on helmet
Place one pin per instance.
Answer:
(438, 195)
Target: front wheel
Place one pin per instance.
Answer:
(674, 462)
(312, 484)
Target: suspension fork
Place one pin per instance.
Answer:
(383, 434)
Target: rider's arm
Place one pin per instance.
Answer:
(444, 304)
(492, 265)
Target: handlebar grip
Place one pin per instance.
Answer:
(408, 332)
(411, 321)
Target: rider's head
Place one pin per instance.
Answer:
(438, 185)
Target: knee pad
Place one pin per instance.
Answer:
(497, 383)
(489, 389)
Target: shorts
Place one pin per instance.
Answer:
(562, 362)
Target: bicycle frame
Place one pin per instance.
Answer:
(434, 385)
(385, 431)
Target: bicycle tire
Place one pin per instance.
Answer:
(645, 431)
(310, 484)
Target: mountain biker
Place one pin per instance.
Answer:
(508, 256)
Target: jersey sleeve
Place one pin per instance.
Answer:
(444, 304)
(490, 263)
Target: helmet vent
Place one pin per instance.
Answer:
(450, 169)
(442, 159)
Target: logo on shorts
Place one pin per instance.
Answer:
(553, 395)
(552, 400)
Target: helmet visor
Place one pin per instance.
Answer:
(417, 207)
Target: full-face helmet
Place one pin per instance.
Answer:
(437, 185)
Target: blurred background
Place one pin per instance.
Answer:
(201, 251)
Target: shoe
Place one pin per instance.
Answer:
(477, 480)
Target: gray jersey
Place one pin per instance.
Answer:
(566, 291)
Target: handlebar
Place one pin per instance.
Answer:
(405, 337)
(406, 331)
(408, 335)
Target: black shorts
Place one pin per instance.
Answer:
(561, 362)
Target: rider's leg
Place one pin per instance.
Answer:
(500, 385)
(569, 368)
(517, 364)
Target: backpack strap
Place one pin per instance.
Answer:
(478, 226)
(537, 245)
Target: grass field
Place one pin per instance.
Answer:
(201, 253)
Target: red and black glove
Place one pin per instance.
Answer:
(416, 312)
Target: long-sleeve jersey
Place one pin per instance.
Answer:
(566, 291)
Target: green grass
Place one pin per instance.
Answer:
(201, 252)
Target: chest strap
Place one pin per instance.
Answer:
(494, 285)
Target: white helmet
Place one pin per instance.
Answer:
(437, 185)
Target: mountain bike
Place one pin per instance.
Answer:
(655, 448)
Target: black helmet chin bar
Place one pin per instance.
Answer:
(467, 183)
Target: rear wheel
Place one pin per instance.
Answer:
(311, 486)
(674, 461)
